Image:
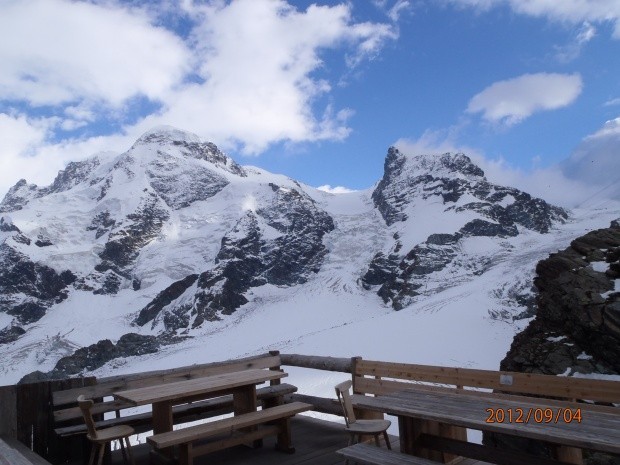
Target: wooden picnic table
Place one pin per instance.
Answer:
(242, 384)
(568, 425)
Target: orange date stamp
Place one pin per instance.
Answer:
(533, 415)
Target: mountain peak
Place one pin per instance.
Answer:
(445, 165)
(167, 134)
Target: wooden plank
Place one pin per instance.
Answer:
(105, 386)
(72, 413)
(385, 386)
(13, 452)
(8, 411)
(236, 439)
(226, 425)
(197, 386)
(480, 452)
(342, 365)
(320, 404)
(527, 383)
(372, 455)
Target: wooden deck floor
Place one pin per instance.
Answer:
(316, 442)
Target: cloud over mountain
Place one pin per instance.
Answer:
(513, 100)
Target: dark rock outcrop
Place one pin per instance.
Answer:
(22, 193)
(27, 288)
(18, 196)
(96, 355)
(577, 325)
(125, 242)
(11, 333)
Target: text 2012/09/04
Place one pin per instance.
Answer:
(533, 415)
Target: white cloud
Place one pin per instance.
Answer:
(513, 100)
(60, 51)
(567, 11)
(572, 50)
(596, 161)
(20, 140)
(335, 190)
(397, 9)
(435, 143)
(612, 102)
(244, 76)
(258, 59)
(27, 152)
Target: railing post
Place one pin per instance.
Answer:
(274, 353)
(354, 376)
(8, 411)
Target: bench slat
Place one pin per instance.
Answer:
(372, 455)
(13, 452)
(227, 425)
(235, 440)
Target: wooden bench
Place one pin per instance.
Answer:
(13, 452)
(68, 417)
(381, 378)
(371, 455)
(231, 431)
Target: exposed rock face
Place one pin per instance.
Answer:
(125, 242)
(577, 325)
(450, 185)
(98, 354)
(18, 196)
(27, 288)
(22, 193)
(248, 257)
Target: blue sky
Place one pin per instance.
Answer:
(319, 90)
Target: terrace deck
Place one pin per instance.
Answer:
(316, 442)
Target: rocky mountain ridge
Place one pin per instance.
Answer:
(173, 235)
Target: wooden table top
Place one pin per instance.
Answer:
(597, 430)
(197, 386)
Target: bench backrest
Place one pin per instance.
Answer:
(380, 378)
(65, 402)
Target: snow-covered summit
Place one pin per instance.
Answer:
(167, 134)
(455, 165)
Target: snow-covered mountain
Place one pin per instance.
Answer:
(174, 250)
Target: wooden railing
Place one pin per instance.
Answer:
(375, 377)
(26, 410)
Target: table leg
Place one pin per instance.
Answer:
(244, 401)
(410, 429)
(284, 442)
(569, 454)
(162, 422)
(407, 436)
